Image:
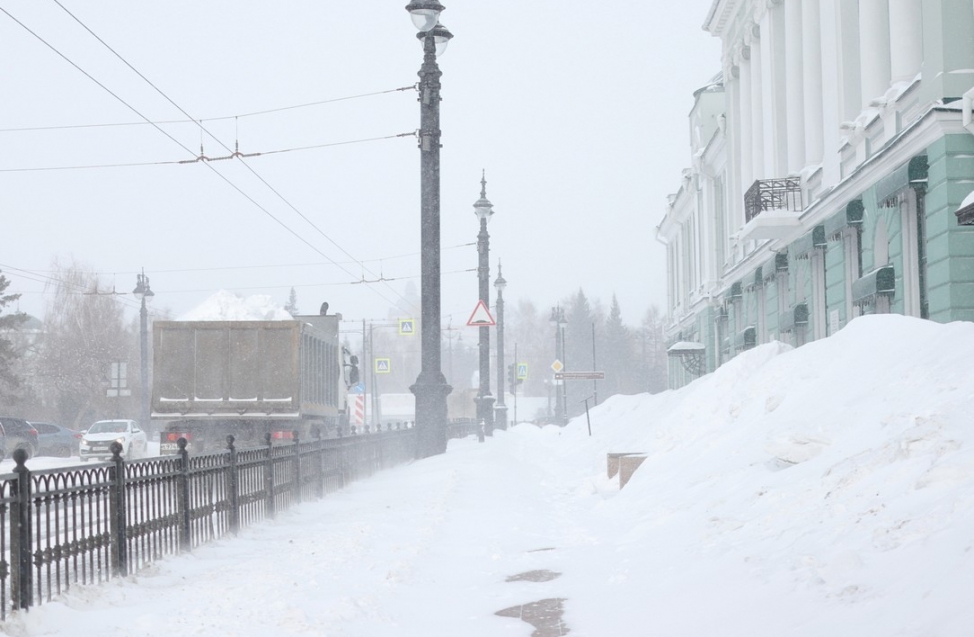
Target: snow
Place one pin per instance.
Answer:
(824, 490)
(968, 201)
(227, 306)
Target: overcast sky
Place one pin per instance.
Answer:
(577, 115)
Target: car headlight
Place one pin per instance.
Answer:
(120, 441)
(84, 443)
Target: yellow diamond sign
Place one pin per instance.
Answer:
(557, 366)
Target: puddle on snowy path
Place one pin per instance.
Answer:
(534, 576)
(545, 615)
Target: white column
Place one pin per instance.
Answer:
(874, 48)
(833, 113)
(733, 195)
(849, 65)
(812, 80)
(744, 117)
(758, 169)
(794, 86)
(906, 30)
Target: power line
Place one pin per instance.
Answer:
(309, 285)
(205, 119)
(242, 161)
(285, 265)
(176, 141)
(74, 288)
(202, 158)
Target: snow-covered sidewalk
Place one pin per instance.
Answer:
(423, 549)
(827, 490)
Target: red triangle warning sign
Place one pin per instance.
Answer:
(481, 316)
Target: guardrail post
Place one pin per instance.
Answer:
(269, 477)
(117, 512)
(183, 504)
(297, 468)
(22, 580)
(233, 488)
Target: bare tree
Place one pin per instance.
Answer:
(83, 335)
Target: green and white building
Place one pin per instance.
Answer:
(831, 160)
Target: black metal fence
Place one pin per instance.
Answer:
(82, 525)
(772, 194)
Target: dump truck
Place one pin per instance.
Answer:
(248, 379)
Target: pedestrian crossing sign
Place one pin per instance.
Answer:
(407, 327)
(383, 366)
(522, 371)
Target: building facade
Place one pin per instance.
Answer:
(830, 159)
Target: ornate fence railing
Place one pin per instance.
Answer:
(772, 194)
(81, 525)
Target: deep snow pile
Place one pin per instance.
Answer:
(227, 306)
(827, 490)
(806, 489)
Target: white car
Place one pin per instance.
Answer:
(98, 440)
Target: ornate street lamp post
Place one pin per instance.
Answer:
(431, 388)
(484, 211)
(500, 420)
(144, 293)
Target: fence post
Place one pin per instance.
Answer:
(183, 504)
(297, 468)
(22, 580)
(117, 512)
(269, 477)
(320, 450)
(233, 488)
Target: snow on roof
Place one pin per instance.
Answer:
(968, 201)
(227, 306)
(686, 346)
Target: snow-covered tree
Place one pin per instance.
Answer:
(617, 356)
(291, 307)
(9, 381)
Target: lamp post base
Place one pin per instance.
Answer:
(431, 417)
(485, 413)
(500, 417)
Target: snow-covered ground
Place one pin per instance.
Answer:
(827, 490)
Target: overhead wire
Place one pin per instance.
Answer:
(202, 158)
(176, 141)
(242, 161)
(284, 265)
(20, 129)
(46, 279)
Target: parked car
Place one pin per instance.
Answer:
(96, 442)
(56, 440)
(16, 433)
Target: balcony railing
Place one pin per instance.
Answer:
(772, 194)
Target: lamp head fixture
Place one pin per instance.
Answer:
(441, 37)
(482, 207)
(425, 13)
(500, 283)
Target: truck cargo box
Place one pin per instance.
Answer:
(247, 369)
